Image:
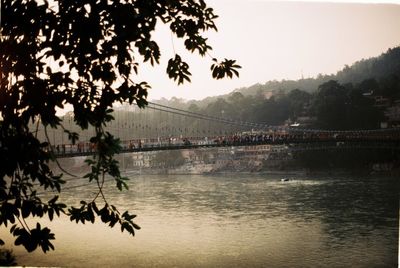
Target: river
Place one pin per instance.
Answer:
(235, 220)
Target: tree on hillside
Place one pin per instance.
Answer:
(361, 112)
(298, 99)
(330, 105)
(390, 87)
(273, 111)
(369, 85)
(342, 107)
(219, 107)
(83, 54)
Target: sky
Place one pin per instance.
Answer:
(275, 40)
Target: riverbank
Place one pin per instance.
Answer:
(77, 165)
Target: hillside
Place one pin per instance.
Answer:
(377, 67)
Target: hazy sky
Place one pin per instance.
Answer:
(279, 40)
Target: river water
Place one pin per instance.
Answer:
(235, 220)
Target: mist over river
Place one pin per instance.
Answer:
(234, 220)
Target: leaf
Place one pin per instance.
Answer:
(53, 200)
(94, 207)
(90, 213)
(51, 214)
(26, 208)
(178, 70)
(224, 68)
(136, 226)
(13, 228)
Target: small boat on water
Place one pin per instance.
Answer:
(285, 179)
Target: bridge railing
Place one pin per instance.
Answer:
(173, 143)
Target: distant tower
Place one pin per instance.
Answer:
(302, 76)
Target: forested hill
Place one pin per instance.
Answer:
(365, 95)
(377, 67)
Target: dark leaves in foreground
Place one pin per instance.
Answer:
(108, 214)
(34, 238)
(225, 68)
(178, 70)
(7, 258)
(84, 55)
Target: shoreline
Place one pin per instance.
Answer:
(273, 172)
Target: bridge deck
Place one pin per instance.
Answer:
(294, 145)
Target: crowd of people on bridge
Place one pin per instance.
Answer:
(244, 138)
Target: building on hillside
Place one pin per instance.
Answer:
(306, 121)
(392, 114)
(379, 101)
(143, 159)
(137, 159)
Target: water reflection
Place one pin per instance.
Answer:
(240, 221)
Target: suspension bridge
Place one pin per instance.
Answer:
(159, 127)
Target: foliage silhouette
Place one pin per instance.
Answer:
(7, 258)
(86, 55)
